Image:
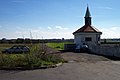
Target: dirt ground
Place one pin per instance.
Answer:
(77, 57)
(82, 57)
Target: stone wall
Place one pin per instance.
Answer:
(103, 49)
(69, 47)
(108, 49)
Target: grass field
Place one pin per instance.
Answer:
(4, 46)
(58, 46)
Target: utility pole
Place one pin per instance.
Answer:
(31, 37)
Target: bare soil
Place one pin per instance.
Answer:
(82, 57)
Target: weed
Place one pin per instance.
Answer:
(37, 57)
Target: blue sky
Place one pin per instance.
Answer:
(57, 18)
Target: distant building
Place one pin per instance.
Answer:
(87, 34)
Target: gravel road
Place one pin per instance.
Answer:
(83, 57)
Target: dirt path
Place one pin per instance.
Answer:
(77, 57)
(82, 57)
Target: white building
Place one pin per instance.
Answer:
(87, 34)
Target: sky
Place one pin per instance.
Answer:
(56, 19)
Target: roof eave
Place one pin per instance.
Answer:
(86, 32)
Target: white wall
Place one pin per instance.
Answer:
(79, 38)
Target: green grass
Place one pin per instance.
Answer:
(58, 46)
(37, 57)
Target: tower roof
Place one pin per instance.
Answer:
(87, 12)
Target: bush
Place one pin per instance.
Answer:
(37, 57)
(13, 60)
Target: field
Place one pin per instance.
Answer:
(58, 46)
(4, 46)
(55, 45)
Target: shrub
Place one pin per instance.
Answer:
(37, 57)
(13, 60)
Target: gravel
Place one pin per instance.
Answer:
(82, 57)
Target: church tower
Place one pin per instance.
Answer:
(87, 17)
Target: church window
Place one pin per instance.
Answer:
(88, 39)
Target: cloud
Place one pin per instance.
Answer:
(34, 31)
(46, 33)
(49, 28)
(112, 32)
(61, 28)
(39, 32)
(0, 26)
(108, 8)
(56, 34)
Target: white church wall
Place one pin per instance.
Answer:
(80, 38)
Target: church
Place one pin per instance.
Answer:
(89, 37)
(87, 34)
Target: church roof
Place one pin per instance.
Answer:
(88, 29)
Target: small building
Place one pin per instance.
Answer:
(87, 34)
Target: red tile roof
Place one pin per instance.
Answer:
(88, 29)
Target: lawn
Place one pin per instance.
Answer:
(58, 45)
